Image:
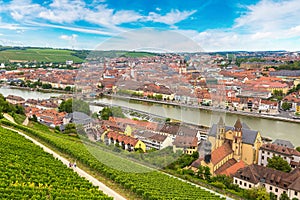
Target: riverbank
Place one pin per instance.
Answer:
(208, 108)
(37, 89)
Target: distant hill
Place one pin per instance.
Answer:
(27, 54)
(47, 55)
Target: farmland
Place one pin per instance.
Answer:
(38, 55)
(47, 55)
(145, 184)
(27, 172)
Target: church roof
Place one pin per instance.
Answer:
(238, 125)
(248, 136)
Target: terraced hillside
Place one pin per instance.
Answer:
(27, 172)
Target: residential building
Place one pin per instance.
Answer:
(79, 118)
(15, 99)
(154, 140)
(124, 141)
(267, 151)
(274, 181)
(186, 144)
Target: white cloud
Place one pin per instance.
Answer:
(109, 17)
(61, 11)
(20, 9)
(69, 12)
(267, 25)
(170, 18)
(69, 37)
(73, 28)
(268, 15)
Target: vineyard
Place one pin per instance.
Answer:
(148, 185)
(27, 172)
(38, 55)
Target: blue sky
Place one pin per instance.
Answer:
(214, 25)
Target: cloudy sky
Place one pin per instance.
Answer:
(215, 25)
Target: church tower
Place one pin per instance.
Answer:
(220, 133)
(237, 140)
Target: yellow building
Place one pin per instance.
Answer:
(126, 142)
(186, 144)
(227, 146)
(298, 108)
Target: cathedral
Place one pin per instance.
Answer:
(229, 148)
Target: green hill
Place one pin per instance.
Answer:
(47, 55)
(38, 55)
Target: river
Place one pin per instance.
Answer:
(26, 94)
(267, 127)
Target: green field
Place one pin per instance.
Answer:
(47, 55)
(38, 55)
(27, 172)
(149, 185)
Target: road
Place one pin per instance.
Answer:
(79, 171)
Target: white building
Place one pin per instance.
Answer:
(154, 140)
(266, 151)
(274, 181)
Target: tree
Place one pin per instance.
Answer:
(286, 106)
(46, 86)
(71, 105)
(279, 163)
(298, 148)
(107, 112)
(257, 194)
(70, 128)
(201, 171)
(272, 196)
(68, 88)
(66, 106)
(284, 196)
(207, 173)
(34, 118)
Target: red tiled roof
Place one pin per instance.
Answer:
(185, 141)
(122, 138)
(280, 149)
(220, 153)
(231, 168)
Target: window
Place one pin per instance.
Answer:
(271, 188)
(240, 182)
(245, 184)
(263, 151)
(296, 193)
(276, 189)
(250, 186)
(268, 153)
(262, 157)
(235, 181)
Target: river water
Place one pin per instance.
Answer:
(267, 127)
(26, 94)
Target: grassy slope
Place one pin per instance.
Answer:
(39, 55)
